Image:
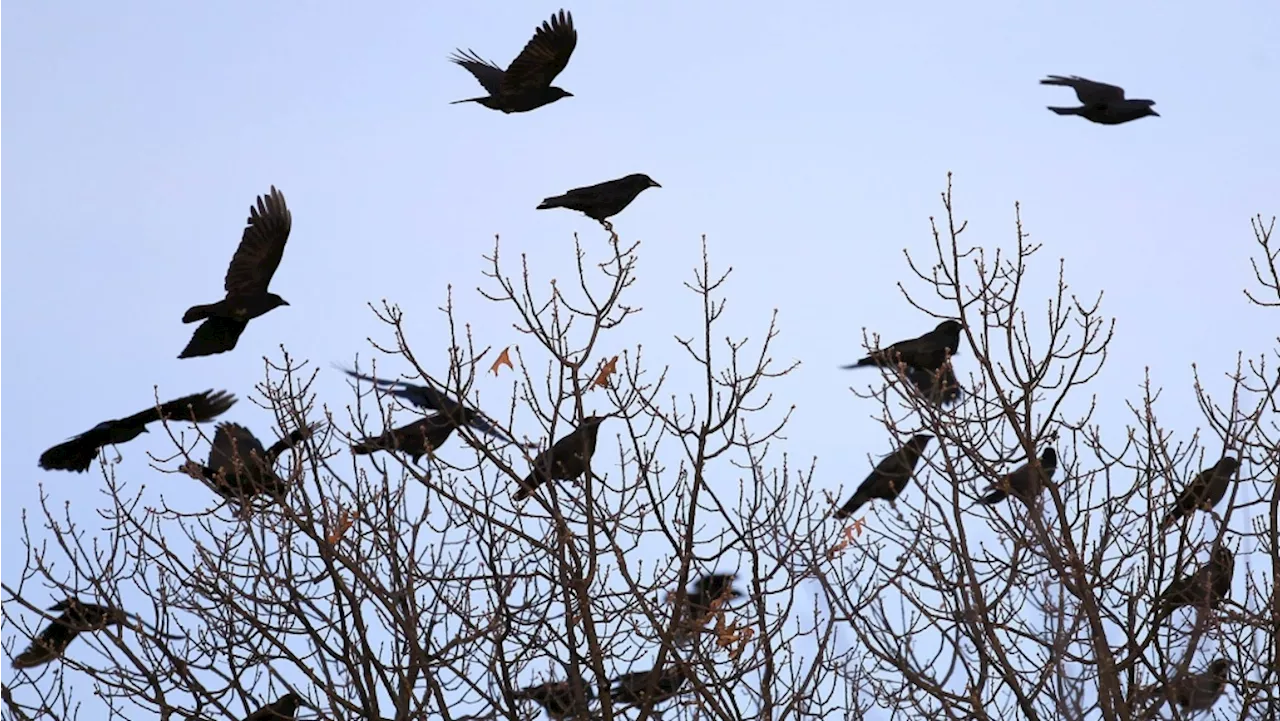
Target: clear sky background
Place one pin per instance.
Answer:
(809, 143)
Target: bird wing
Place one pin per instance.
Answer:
(485, 71)
(291, 440)
(233, 441)
(76, 454)
(1090, 92)
(216, 335)
(47, 645)
(261, 246)
(203, 406)
(543, 57)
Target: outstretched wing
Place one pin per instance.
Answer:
(261, 246)
(47, 645)
(233, 442)
(202, 406)
(485, 71)
(1090, 92)
(76, 454)
(543, 57)
(215, 335)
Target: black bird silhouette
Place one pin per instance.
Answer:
(526, 83)
(284, 708)
(78, 453)
(602, 200)
(417, 439)
(430, 398)
(940, 387)
(1195, 691)
(1026, 482)
(710, 592)
(1205, 491)
(651, 687)
(926, 353)
(890, 476)
(76, 617)
(240, 468)
(255, 261)
(1103, 104)
(1208, 585)
(558, 699)
(565, 460)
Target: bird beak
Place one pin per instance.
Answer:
(568, 94)
(1155, 113)
(284, 302)
(654, 184)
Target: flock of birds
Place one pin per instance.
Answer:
(240, 469)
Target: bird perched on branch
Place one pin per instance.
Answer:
(559, 699)
(254, 263)
(927, 352)
(1207, 586)
(1026, 482)
(284, 708)
(240, 468)
(709, 593)
(431, 398)
(416, 439)
(1101, 103)
(76, 617)
(602, 200)
(565, 460)
(526, 83)
(652, 687)
(890, 476)
(1195, 691)
(77, 454)
(1205, 491)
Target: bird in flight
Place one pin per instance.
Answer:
(76, 617)
(255, 261)
(526, 83)
(78, 453)
(1101, 103)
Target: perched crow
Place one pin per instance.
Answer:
(255, 261)
(1102, 103)
(1207, 585)
(1205, 491)
(940, 387)
(417, 439)
(430, 398)
(78, 453)
(1026, 482)
(526, 83)
(926, 353)
(650, 687)
(1196, 691)
(890, 476)
(240, 468)
(602, 200)
(558, 699)
(284, 708)
(697, 610)
(565, 460)
(77, 616)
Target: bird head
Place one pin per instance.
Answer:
(276, 301)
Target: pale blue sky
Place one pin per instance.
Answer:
(808, 142)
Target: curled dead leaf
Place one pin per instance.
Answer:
(504, 359)
(607, 369)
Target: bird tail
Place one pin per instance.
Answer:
(552, 202)
(868, 361)
(992, 498)
(527, 487)
(36, 655)
(199, 312)
(1066, 111)
(850, 508)
(366, 446)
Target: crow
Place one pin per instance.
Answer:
(1103, 104)
(888, 479)
(940, 388)
(77, 616)
(239, 468)
(1196, 691)
(650, 687)
(701, 602)
(602, 200)
(417, 439)
(1205, 491)
(565, 460)
(255, 261)
(78, 453)
(526, 83)
(926, 353)
(1026, 482)
(558, 699)
(433, 399)
(1207, 585)
(284, 708)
